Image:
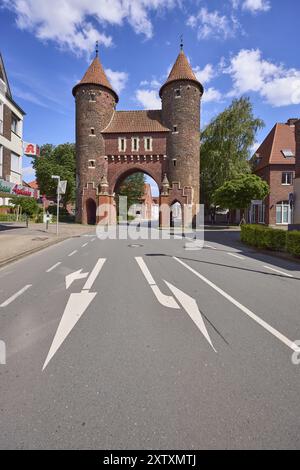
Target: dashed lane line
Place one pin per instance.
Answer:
(236, 256)
(53, 267)
(15, 296)
(244, 309)
(85, 244)
(73, 253)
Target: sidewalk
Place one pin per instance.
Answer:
(17, 241)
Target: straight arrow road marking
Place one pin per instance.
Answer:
(75, 308)
(244, 309)
(190, 306)
(277, 271)
(74, 277)
(15, 296)
(165, 300)
(53, 267)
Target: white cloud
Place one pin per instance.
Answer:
(117, 79)
(213, 24)
(256, 5)
(277, 85)
(28, 96)
(204, 75)
(148, 98)
(211, 94)
(69, 22)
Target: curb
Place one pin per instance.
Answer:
(30, 252)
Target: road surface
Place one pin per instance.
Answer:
(124, 344)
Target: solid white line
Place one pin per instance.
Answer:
(235, 256)
(53, 267)
(277, 271)
(93, 276)
(73, 253)
(83, 246)
(244, 309)
(165, 300)
(15, 296)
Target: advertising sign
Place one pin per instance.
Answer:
(31, 150)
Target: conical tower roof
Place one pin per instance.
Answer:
(95, 75)
(181, 70)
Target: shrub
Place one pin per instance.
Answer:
(264, 237)
(293, 243)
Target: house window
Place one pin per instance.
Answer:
(287, 178)
(288, 153)
(92, 164)
(15, 124)
(148, 144)
(15, 163)
(177, 93)
(175, 129)
(135, 144)
(122, 144)
(283, 213)
(1, 117)
(1, 161)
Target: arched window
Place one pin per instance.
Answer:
(283, 213)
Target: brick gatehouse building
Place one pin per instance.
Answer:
(111, 144)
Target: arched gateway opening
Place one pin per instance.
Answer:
(91, 210)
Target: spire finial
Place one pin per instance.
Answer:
(181, 42)
(97, 48)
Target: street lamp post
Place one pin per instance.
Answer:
(54, 177)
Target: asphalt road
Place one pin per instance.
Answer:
(152, 346)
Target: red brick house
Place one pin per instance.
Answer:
(274, 161)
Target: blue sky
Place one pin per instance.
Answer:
(236, 47)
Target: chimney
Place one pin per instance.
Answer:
(291, 121)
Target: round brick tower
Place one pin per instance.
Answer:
(181, 97)
(95, 104)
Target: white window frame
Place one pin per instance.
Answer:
(92, 164)
(150, 148)
(1, 116)
(286, 173)
(17, 127)
(283, 205)
(122, 140)
(13, 170)
(177, 96)
(133, 140)
(175, 126)
(1, 161)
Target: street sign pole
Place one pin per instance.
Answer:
(54, 177)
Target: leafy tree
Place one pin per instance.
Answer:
(56, 160)
(133, 188)
(28, 205)
(239, 192)
(225, 146)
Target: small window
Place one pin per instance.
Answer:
(178, 93)
(175, 129)
(287, 178)
(15, 124)
(135, 143)
(92, 131)
(174, 162)
(288, 153)
(93, 97)
(1, 161)
(148, 144)
(122, 144)
(92, 164)
(1, 117)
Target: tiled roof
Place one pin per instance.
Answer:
(281, 137)
(33, 184)
(181, 70)
(135, 121)
(95, 75)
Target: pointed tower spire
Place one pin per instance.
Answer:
(95, 75)
(181, 70)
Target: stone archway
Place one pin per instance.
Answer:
(91, 211)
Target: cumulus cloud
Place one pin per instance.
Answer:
(74, 24)
(211, 95)
(149, 99)
(117, 79)
(204, 75)
(278, 85)
(254, 6)
(212, 24)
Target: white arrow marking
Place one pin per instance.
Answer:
(165, 300)
(190, 306)
(94, 274)
(76, 306)
(74, 277)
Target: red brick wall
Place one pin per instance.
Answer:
(159, 144)
(7, 116)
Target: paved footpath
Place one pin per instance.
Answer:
(123, 344)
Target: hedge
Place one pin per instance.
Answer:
(264, 237)
(293, 243)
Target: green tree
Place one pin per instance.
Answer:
(56, 160)
(28, 205)
(133, 188)
(239, 192)
(225, 146)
